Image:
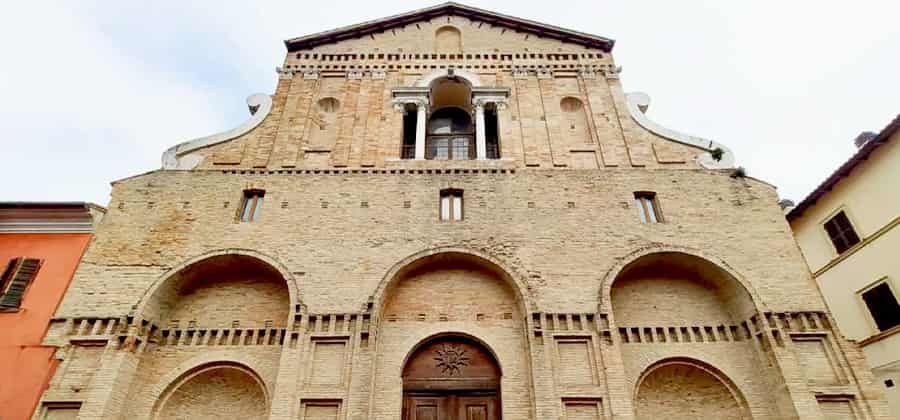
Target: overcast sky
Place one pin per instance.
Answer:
(96, 91)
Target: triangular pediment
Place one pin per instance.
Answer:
(449, 9)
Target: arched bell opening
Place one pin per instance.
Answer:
(451, 377)
(450, 130)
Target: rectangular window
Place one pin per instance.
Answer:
(841, 232)
(252, 205)
(882, 304)
(648, 207)
(451, 205)
(18, 275)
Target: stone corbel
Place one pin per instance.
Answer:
(310, 74)
(544, 73)
(400, 103)
(379, 74)
(612, 72)
(486, 95)
(520, 73)
(587, 73)
(284, 74)
(638, 102)
(410, 95)
(180, 156)
(355, 74)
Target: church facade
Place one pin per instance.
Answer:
(449, 214)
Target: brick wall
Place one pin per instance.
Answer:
(352, 265)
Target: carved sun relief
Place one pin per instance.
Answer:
(451, 358)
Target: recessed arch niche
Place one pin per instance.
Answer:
(448, 40)
(221, 291)
(683, 389)
(680, 289)
(322, 130)
(222, 390)
(457, 286)
(575, 117)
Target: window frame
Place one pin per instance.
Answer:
(252, 200)
(641, 201)
(452, 195)
(870, 318)
(853, 226)
(13, 267)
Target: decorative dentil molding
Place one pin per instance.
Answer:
(638, 102)
(180, 157)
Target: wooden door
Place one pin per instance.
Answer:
(477, 408)
(451, 406)
(451, 378)
(426, 408)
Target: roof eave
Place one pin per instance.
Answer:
(380, 25)
(845, 169)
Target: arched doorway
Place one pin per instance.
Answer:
(451, 378)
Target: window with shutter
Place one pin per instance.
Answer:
(18, 275)
(883, 306)
(841, 232)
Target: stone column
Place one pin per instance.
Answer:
(480, 139)
(420, 130)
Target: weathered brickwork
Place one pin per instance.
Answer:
(312, 310)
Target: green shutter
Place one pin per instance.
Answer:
(17, 277)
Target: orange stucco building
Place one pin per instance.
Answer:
(40, 247)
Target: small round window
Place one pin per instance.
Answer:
(329, 105)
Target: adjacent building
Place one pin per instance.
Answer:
(449, 214)
(40, 247)
(846, 231)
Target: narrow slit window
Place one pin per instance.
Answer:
(252, 205)
(19, 274)
(882, 304)
(451, 205)
(648, 207)
(841, 232)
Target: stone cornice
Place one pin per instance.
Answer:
(638, 102)
(179, 156)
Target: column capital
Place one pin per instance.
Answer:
(482, 101)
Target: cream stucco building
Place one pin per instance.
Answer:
(846, 231)
(449, 214)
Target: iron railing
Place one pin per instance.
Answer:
(449, 147)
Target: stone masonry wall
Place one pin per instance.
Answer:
(529, 271)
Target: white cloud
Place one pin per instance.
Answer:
(95, 91)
